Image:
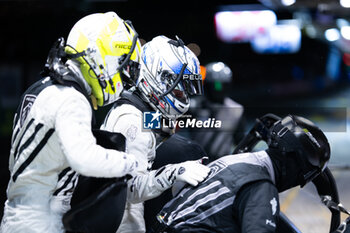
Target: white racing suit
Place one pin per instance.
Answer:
(128, 120)
(52, 133)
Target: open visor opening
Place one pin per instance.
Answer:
(193, 84)
(180, 94)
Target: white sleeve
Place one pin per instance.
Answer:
(128, 121)
(144, 187)
(191, 172)
(73, 127)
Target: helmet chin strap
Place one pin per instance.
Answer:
(126, 59)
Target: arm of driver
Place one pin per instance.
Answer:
(73, 127)
(143, 187)
(191, 172)
(127, 120)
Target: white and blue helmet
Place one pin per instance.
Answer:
(170, 72)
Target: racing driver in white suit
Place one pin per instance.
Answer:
(52, 137)
(162, 87)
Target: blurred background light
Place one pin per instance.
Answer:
(278, 39)
(218, 66)
(345, 32)
(346, 59)
(332, 34)
(341, 22)
(311, 31)
(287, 2)
(345, 3)
(243, 26)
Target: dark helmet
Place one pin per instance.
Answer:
(304, 142)
(217, 82)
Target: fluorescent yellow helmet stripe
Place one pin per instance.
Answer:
(105, 39)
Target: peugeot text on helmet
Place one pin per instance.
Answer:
(170, 72)
(105, 47)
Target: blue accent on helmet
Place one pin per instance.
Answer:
(173, 62)
(195, 65)
(144, 57)
(187, 71)
(172, 104)
(176, 67)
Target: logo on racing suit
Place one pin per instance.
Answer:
(151, 120)
(27, 104)
(273, 203)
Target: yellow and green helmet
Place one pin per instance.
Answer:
(108, 51)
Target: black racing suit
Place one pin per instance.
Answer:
(238, 196)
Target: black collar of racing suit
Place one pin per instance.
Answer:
(135, 99)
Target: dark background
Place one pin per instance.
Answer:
(29, 28)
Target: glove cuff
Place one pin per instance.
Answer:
(165, 177)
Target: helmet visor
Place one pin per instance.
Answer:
(178, 91)
(193, 84)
